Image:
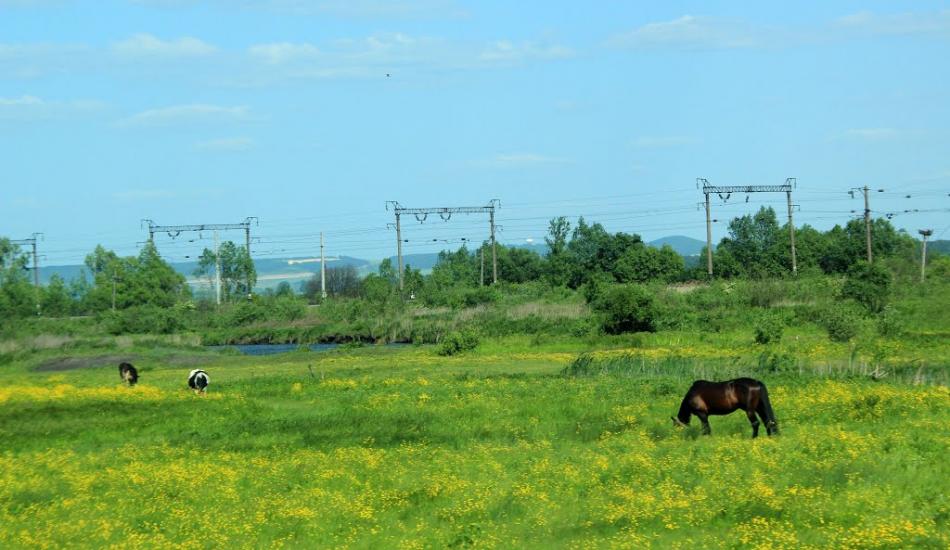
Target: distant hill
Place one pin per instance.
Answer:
(684, 246)
(943, 247)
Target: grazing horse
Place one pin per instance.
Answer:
(706, 398)
(198, 380)
(128, 373)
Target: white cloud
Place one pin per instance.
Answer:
(935, 23)
(146, 45)
(691, 33)
(186, 114)
(232, 144)
(657, 142)
(283, 52)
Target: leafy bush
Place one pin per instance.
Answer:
(890, 323)
(142, 320)
(288, 308)
(626, 308)
(842, 323)
(457, 342)
(768, 329)
(868, 284)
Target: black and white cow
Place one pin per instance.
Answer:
(198, 380)
(128, 373)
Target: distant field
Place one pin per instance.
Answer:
(384, 448)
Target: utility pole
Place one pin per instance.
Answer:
(323, 270)
(445, 213)
(481, 259)
(725, 191)
(867, 222)
(114, 280)
(791, 233)
(217, 270)
(867, 216)
(494, 255)
(709, 270)
(36, 265)
(923, 252)
(175, 230)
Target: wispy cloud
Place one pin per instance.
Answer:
(134, 195)
(146, 45)
(524, 159)
(384, 53)
(29, 107)
(283, 52)
(937, 23)
(870, 134)
(364, 9)
(186, 114)
(504, 51)
(657, 142)
(691, 32)
(225, 145)
(701, 32)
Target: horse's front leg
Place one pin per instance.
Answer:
(704, 418)
(755, 423)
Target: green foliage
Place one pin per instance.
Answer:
(457, 342)
(641, 264)
(867, 284)
(626, 308)
(238, 274)
(890, 323)
(768, 329)
(143, 319)
(840, 321)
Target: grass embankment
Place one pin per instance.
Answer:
(499, 448)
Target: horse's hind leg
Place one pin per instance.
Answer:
(754, 421)
(761, 410)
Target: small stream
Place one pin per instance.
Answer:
(271, 349)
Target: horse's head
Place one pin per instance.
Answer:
(678, 423)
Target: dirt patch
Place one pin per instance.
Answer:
(112, 361)
(72, 363)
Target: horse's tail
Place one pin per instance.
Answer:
(767, 406)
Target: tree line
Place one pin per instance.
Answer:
(581, 256)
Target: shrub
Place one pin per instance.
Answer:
(840, 322)
(143, 319)
(868, 284)
(890, 323)
(768, 329)
(457, 342)
(626, 308)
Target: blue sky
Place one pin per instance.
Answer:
(191, 112)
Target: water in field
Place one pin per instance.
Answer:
(271, 349)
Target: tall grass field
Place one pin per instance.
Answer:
(402, 448)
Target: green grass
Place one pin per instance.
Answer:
(376, 447)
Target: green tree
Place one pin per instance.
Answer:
(557, 269)
(646, 263)
(57, 300)
(869, 285)
(17, 295)
(237, 270)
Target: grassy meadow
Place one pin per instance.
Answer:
(518, 444)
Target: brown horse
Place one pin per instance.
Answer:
(706, 398)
